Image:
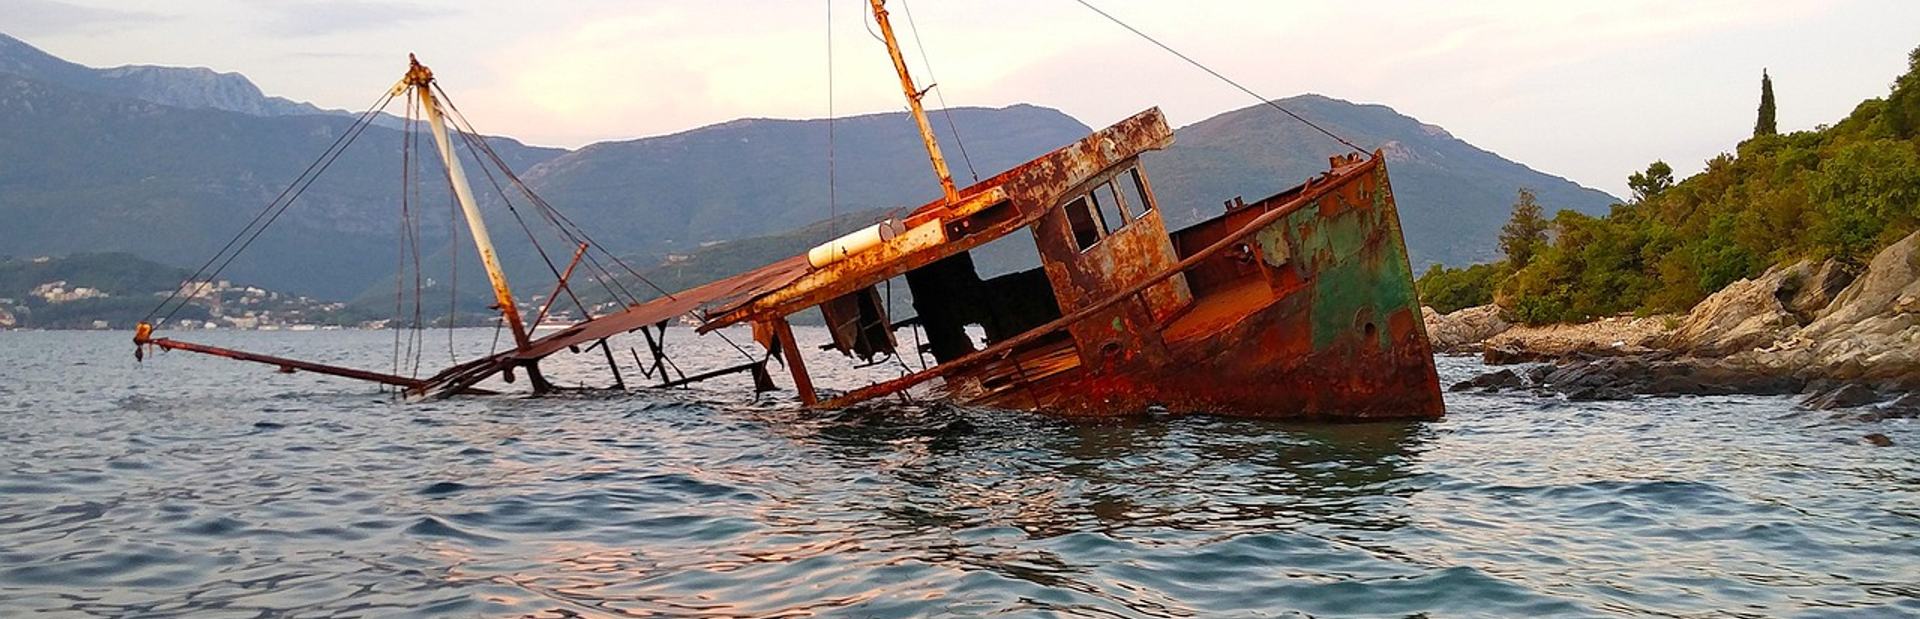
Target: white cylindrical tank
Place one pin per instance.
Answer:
(853, 243)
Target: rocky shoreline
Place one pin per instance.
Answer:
(1845, 340)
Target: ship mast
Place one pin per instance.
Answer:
(913, 102)
(420, 78)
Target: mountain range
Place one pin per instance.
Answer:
(182, 87)
(167, 163)
(1453, 196)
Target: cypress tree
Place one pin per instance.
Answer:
(1526, 231)
(1765, 125)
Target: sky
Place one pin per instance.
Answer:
(1587, 90)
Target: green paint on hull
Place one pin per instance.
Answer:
(1350, 277)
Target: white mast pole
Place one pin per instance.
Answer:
(421, 79)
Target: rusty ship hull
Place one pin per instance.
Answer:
(1310, 315)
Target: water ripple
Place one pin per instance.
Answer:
(202, 488)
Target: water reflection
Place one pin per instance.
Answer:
(1053, 476)
(122, 494)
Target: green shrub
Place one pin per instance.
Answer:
(1448, 290)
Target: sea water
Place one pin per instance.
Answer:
(200, 487)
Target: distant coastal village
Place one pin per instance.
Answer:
(222, 304)
(113, 291)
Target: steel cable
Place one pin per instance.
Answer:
(1223, 78)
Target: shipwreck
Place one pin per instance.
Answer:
(1299, 305)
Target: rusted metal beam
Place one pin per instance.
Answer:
(618, 380)
(1004, 347)
(710, 374)
(461, 378)
(286, 364)
(783, 334)
(561, 286)
(952, 196)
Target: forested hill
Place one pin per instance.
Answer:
(1836, 192)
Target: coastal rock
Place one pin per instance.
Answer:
(1870, 333)
(1492, 382)
(1598, 394)
(1818, 289)
(1463, 329)
(1607, 337)
(1890, 279)
(1610, 378)
(1508, 355)
(1745, 315)
(1904, 407)
(1862, 341)
(1851, 395)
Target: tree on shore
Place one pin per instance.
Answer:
(1765, 125)
(1903, 104)
(1646, 185)
(1526, 230)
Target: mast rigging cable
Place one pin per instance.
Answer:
(1223, 78)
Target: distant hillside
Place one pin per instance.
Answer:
(191, 88)
(755, 177)
(118, 288)
(112, 273)
(1452, 195)
(93, 173)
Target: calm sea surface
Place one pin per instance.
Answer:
(198, 487)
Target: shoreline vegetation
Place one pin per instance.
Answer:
(1791, 266)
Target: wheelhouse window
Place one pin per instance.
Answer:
(1133, 188)
(1080, 217)
(1112, 218)
(1108, 207)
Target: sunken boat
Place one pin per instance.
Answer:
(1299, 305)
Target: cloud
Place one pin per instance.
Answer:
(318, 18)
(49, 17)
